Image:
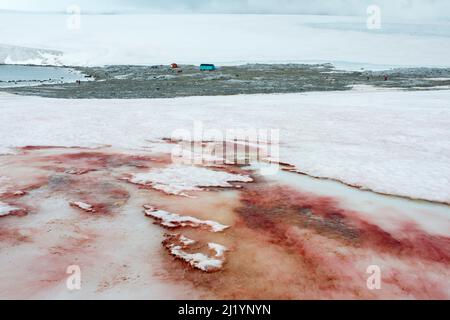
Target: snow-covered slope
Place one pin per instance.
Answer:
(393, 142)
(23, 55)
(228, 39)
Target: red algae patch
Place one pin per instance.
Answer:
(277, 242)
(36, 148)
(292, 219)
(14, 236)
(22, 188)
(294, 245)
(83, 161)
(282, 206)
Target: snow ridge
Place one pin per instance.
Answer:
(178, 179)
(173, 220)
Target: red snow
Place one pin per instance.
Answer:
(23, 190)
(35, 148)
(284, 242)
(18, 213)
(14, 236)
(276, 210)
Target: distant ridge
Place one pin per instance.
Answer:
(31, 56)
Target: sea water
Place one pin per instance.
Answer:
(20, 76)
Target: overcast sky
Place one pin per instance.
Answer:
(407, 8)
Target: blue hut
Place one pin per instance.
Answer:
(207, 67)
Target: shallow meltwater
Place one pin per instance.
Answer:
(140, 226)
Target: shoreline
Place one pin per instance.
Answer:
(162, 81)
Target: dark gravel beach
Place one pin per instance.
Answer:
(161, 81)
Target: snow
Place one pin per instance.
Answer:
(119, 257)
(83, 206)
(233, 39)
(186, 241)
(391, 142)
(77, 172)
(219, 249)
(367, 87)
(6, 209)
(4, 184)
(173, 220)
(199, 261)
(34, 56)
(178, 179)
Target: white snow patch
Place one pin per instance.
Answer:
(29, 56)
(173, 220)
(186, 241)
(371, 88)
(444, 87)
(178, 243)
(83, 206)
(197, 260)
(6, 209)
(219, 249)
(178, 179)
(77, 172)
